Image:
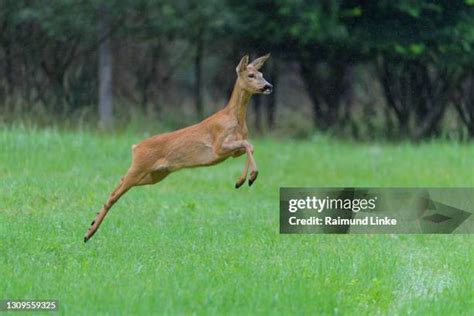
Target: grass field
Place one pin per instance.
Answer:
(195, 245)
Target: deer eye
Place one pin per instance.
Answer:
(251, 76)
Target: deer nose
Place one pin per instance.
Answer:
(268, 88)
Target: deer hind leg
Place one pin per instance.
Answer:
(118, 187)
(131, 179)
(243, 176)
(153, 177)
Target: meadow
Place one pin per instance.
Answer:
(193, 244)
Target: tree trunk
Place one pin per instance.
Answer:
(198, 99)
(394, 89)
(9, 66)
(464, 104)
(105, 70)
(310, 83)
(328, 87)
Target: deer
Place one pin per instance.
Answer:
(209, 142)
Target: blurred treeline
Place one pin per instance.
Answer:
(363, 69)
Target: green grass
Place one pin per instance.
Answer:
(195, 245)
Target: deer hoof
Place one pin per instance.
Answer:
(253, 177)
(239, 183)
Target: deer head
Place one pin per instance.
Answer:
(250, 78)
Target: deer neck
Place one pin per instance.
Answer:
(238, 103)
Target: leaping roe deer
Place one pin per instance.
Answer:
(220, 136)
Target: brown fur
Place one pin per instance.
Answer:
(220, 136)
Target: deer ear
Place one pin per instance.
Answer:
(258, 63)
(244, 62)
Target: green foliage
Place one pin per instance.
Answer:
(436, 30)
(407, 29)
(291, 28)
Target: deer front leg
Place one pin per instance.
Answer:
(233, 145)
(254, 172)
(243, 177)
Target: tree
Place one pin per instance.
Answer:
(105, 69)
(315, 37)
(203, 22)
(417, 46)
(50, 37)
(464, 103)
